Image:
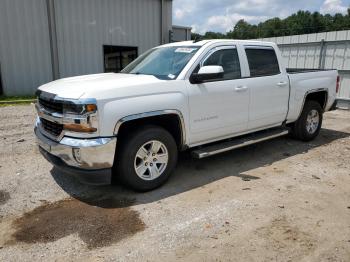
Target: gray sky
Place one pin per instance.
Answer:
(221, 15)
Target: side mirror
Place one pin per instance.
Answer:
(207, 73)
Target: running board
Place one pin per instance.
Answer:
(234, 143)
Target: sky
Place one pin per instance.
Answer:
(221, 15)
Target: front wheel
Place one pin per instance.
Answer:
(308, 126)
(146, 158)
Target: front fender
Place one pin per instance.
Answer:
(117, 111)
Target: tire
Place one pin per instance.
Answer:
(308, 126)
(139, 166)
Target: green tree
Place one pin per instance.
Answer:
(270, 28)
(317, 23)
(214, 35)
(195, 36)
(243, 30)
(302, 22)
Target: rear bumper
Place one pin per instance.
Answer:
(90, 160)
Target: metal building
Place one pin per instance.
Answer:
(181, 33)
(330, 50)
(42, 40)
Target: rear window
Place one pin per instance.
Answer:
(262, 61)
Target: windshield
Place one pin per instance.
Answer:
(164, 62)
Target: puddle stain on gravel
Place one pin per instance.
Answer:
(96, 226)
(4, 197)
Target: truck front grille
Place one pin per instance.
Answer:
(51, 105)
(51, 127)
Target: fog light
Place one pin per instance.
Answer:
(77, 154)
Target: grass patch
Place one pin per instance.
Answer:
(6, 100)
(15, 104)
(16, 98)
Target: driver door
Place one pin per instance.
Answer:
(219, 108)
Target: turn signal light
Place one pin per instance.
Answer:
(79, 128)
(91, 108)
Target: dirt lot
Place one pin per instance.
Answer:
(280, 200)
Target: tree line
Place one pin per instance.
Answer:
(302, 22)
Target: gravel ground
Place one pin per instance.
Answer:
(281, 200)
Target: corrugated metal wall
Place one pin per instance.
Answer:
(82, 26)
(168, 19)
(181, 33)
(329, 50)
(24, 46)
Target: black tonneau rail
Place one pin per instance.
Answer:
(305, 70)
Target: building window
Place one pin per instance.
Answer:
(118, 57)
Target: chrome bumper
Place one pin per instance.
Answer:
(87, 154)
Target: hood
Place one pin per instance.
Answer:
(90, 85)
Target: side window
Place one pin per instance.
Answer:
(262, 61)
(228, 59)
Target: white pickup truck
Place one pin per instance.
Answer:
(208, 97)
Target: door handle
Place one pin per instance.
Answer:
(241, 88)
(282, 84)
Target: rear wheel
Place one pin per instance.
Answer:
(308, 126)
(146, 158)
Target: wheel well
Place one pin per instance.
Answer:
(170, 122)
(320, 97)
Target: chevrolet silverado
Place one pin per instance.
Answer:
(207, 97)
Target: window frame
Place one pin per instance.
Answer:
(263, 48)
(212, 51)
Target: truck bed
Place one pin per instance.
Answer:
(303, 81)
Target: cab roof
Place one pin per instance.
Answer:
(213, 41)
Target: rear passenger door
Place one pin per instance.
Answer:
(269, 88)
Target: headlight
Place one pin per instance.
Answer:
(80, 117)
(71, 108)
